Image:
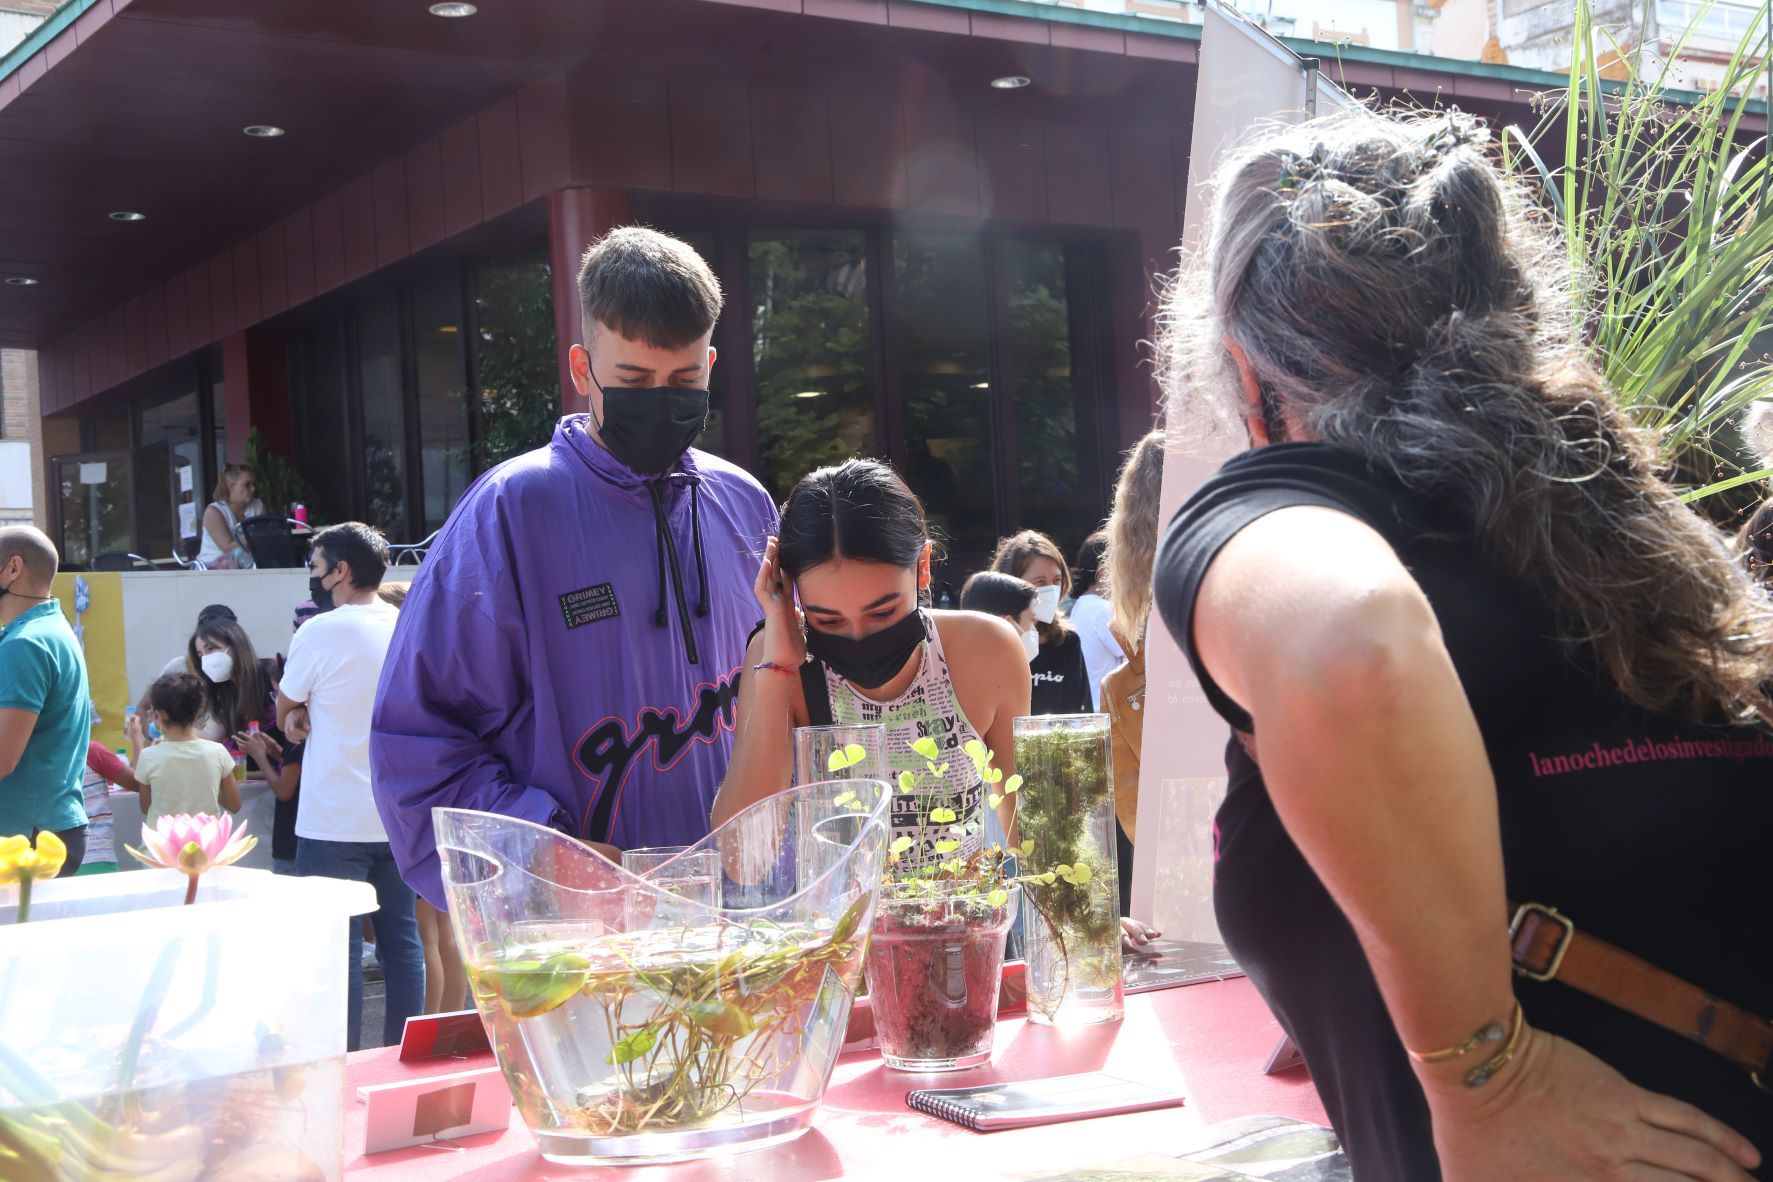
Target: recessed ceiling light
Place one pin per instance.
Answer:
(453, 10)
(981, 385)
(22, 281)
(811, 394)
(262, 131)
(128, 215)
(1011, 82)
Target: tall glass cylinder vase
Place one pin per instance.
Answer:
(1065, 808)
(824, 753)
(840, 753)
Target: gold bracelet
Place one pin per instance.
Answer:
(1490, 1032)
(1480, 1075)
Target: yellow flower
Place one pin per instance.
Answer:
(18, 861)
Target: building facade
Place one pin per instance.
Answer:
(937, 225)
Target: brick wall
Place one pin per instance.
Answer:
(20, 418)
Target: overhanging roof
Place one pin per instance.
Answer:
(139, 104)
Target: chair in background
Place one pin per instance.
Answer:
(272, 542)
(119, 560)
(412, 553)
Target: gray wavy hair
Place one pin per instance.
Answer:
(1396, 294)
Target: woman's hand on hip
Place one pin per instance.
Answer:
(1558, 1114)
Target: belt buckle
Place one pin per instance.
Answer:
(1557, 957)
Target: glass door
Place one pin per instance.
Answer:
(94, 502)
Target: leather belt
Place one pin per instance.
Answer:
(1548, 947)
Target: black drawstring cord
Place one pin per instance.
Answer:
(662, 616)
(696, 532)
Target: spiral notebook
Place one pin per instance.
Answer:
(989, 1108)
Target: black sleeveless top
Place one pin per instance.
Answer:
(1649, 831)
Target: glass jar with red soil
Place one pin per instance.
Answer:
(934, 969)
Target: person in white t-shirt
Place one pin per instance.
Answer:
(1091, 612)
(326, 699)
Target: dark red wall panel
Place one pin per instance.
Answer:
(460, 146)
(329, 243)
(710, 137)
(1012, 166)
(393, 243)
(791, 146)
(273, 271)
(424, 195)
(357, 209)
(501, 163)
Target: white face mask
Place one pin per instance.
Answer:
(218, 666)
(1046, 603)
(1031, 644)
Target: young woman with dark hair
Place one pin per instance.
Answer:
(854, 555)
(1005, 596)
(1061, 679)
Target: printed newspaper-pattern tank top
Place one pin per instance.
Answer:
(927, 709)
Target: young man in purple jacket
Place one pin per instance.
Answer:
(570, 650)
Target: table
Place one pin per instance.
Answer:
(1210, 1039)
(258, 809)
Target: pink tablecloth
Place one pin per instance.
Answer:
(1211, 1040)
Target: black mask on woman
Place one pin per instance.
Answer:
(649, 430)
(874, 660)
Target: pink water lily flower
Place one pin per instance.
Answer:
(193, 844)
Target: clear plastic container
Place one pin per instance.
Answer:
(935, 968)
(205, 1042)
(1072, 925)
(638, 1025)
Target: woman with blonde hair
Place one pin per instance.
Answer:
(1494, 847)
(236, 498)
(1132, 546)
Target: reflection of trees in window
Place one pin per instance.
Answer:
(809, 324)
(519, 377)
(1058, 479)
(940, 338)
(386, 487)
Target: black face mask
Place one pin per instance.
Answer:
(649, 430)
(319, 594)
(875, 659)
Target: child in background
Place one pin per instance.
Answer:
(182, 773)
(103, 770)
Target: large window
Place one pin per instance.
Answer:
(169, 469)
(442, 391)
(814, 372)
(942, 357)
(1058, 408)
(381, 391)
(516, 370)
(318, 395)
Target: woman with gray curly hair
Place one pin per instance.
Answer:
(1494, 844)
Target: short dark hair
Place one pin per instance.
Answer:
(360, 545)
(858, 509)
(650, 287)
(177, 697)
(997, 594)
(1086, 572)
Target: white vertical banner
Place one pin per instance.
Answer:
(1246, 77)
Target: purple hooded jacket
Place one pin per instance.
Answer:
(562, 659)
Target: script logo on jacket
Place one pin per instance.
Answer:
(608, 751)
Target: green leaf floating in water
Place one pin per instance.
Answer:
(846, 926)
(531, 988)
(633, 1046)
